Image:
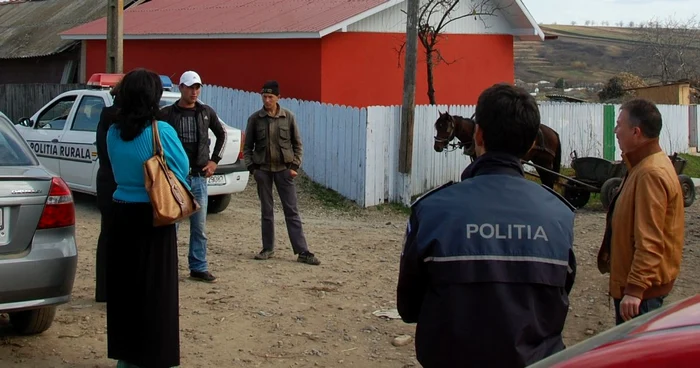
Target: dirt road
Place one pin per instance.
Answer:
(281, 313)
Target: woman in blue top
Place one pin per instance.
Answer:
(142, 273)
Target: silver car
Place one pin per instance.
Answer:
(38, 254)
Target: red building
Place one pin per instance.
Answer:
(334, 51)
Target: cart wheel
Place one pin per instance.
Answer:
(577, 197)
(608, 191)
(688, 189)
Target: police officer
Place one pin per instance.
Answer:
(487, 263)
(105, 188)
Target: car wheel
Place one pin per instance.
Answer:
(218, 203)
(688, 190)
(31, 322)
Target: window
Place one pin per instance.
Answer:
(13, 149)
(88, 114)
(164, 101)
(54, 118)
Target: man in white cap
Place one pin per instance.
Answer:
(192, 121)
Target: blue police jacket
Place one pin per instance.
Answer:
(486, 269)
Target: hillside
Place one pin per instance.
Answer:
(582, 55)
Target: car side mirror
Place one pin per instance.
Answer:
(26, 122)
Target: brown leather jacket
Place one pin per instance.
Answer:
(643, 242)
(272, 142)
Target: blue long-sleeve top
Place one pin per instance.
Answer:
(127, 159)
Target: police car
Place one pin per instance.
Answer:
(62, 134)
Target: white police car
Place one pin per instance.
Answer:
(62, 134)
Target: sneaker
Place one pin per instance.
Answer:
(308, 258)
(202, 276)
(265, 254)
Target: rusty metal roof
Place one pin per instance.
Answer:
(231, 17)
(31, 28)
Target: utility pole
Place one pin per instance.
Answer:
(115, 36)
(409, 88)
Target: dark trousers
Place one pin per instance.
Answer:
(646, 306)
(101, 256)
(288, 196)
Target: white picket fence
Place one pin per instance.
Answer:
(355, 151)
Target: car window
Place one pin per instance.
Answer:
(164, 101)
(54, 118)
(88, 114)
(13, 150)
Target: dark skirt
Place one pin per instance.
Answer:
(142, 278)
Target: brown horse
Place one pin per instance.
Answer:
(546, 152)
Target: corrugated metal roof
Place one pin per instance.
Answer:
(31, 28)
(221, 17)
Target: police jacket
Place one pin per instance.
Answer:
(486, 269)
(105, 178)
(206, 119)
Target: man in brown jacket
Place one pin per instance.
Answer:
(273, 153)
(643, 242)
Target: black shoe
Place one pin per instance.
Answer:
(202, 276)
(265, 254)
(308, 258)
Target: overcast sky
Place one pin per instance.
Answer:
(614, 11)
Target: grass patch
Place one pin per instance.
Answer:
(593, 202)
(692, 167)
(327, 197)
(395, 207)
(333, 200)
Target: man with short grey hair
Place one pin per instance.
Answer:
(642, 247)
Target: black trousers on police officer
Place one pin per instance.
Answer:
(101, 256)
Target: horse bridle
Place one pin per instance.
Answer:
(452, 127)
(451, 136)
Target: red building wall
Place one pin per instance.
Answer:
(361, 69)
(240, 64)
(355, 69)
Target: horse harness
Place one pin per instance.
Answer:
(541, 144)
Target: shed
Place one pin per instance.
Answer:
(334, 51)
(677, 93)
(31, 51)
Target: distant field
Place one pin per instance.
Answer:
(580, 55)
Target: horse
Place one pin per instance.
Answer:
(546, 152)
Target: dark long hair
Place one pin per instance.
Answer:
(138, 97)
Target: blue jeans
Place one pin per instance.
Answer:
(646, 306)
(197, 256)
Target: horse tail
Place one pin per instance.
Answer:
(556, 164)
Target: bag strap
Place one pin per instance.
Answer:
(157, 146)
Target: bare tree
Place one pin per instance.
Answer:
(669, 50)
(434, 17)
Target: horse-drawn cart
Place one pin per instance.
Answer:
(598, 175)
(592, 175)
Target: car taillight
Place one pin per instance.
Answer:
(240, 151)
(59, 210)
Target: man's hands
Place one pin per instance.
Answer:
(209, 169)
(293, 173)
(629, 307)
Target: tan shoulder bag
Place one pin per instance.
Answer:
(170, 199)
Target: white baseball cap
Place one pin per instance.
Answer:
(189, 78)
